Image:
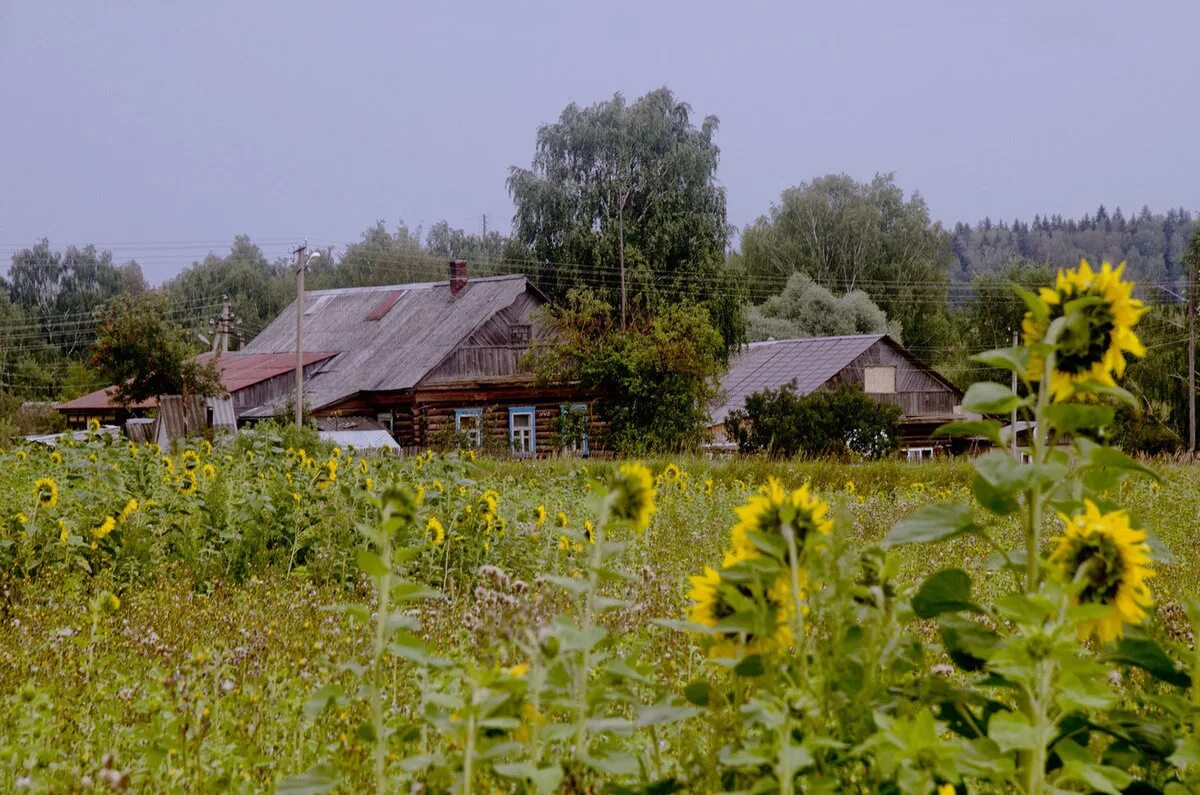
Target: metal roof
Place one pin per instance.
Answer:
(361, 440)
(380, 348)
(769, 365)
(238, 370)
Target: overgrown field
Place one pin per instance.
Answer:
(185, 622)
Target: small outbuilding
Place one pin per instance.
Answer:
(875, 363)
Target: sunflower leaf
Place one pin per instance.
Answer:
(1014, 360)
(946, 591)
(988, 397)
(932, 523)
(988, 429)
(1145, 653)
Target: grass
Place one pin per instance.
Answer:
(209, 675)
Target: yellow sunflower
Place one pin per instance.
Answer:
(328, 474)
(47, 492)
(1094, 348)
(717, 599)
(633, 486)
(1112, 561)
(765, 513)
(190, 459)
(539, 515)
(107, 526)
(129, 509)
(187, 482)
(434, 528)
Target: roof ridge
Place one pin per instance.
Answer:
(763, 343)
(410, 285)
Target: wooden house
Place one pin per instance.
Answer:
(875, 363)
(435, 363)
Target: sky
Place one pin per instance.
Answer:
(159, 130)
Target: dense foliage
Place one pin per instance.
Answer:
(142, 355)
(782, 424)
(656, 378)
(806, 309)
(630, 186)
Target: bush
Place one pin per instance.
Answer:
(781, 423)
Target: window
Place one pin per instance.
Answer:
(522, 435)
(572, 431)
(519, 334)
(469, 422)
(916, 454)
(880, 380)
(386, 419)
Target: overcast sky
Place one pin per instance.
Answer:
(162, 129)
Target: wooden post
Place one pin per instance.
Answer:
(300, 334)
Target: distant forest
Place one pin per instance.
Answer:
(1152, 244)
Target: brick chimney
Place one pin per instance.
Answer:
(458, 275)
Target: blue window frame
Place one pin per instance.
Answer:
(574, 443)
(522, 430)
(470, 423)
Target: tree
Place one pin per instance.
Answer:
(144, 356)
(655, 379)
(848, 235)
(781, 423)
(628, 189)
(806, 309)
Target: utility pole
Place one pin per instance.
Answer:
(224, 327)
(621, 246)
(300, 264)
(1013, 424)
(1191, 353)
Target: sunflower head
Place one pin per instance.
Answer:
(1110, 560)
(435, 531)
(187, 481)
(762, 519)
(1098, 335)
(328, 474)
(539, 515)
(107, 526)
(633, 495)
(47, 492)
(190, 459)
(750, 608)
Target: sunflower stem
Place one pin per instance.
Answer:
(797, 622)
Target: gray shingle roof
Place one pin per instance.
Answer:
(418, 328)
(811, 362)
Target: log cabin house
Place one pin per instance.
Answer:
(874, 363)
(436, 363)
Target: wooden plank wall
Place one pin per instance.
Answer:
(917, 392)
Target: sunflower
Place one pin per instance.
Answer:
(716, 599)
(633, 502)
(107, 526)
(168, 465)
(190, 459)
(539, 515)
(764, 515)
(589, 530)
(187, 482)
(1094, 348)
(328, 474)
(129, 509)
(1112, 561)
(47, 492)
(209, 471)
(562, 519)
(434, 528)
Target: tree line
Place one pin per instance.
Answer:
(620, 219)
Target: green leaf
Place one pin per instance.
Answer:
(370, 563)
(988, 397)
(1187, 752)
(1145, 653)
(968, 643)
(545, 779)
(570, 584)
(1074, 417)
(664, 712)
(698, 692)
(750, 666)
(1015, 360)
(1013, 732)
(314, 781)
(946, 591)
(932, 523)
(988, 429)
(323, 699)
(1037, 307)
(1097, 458)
